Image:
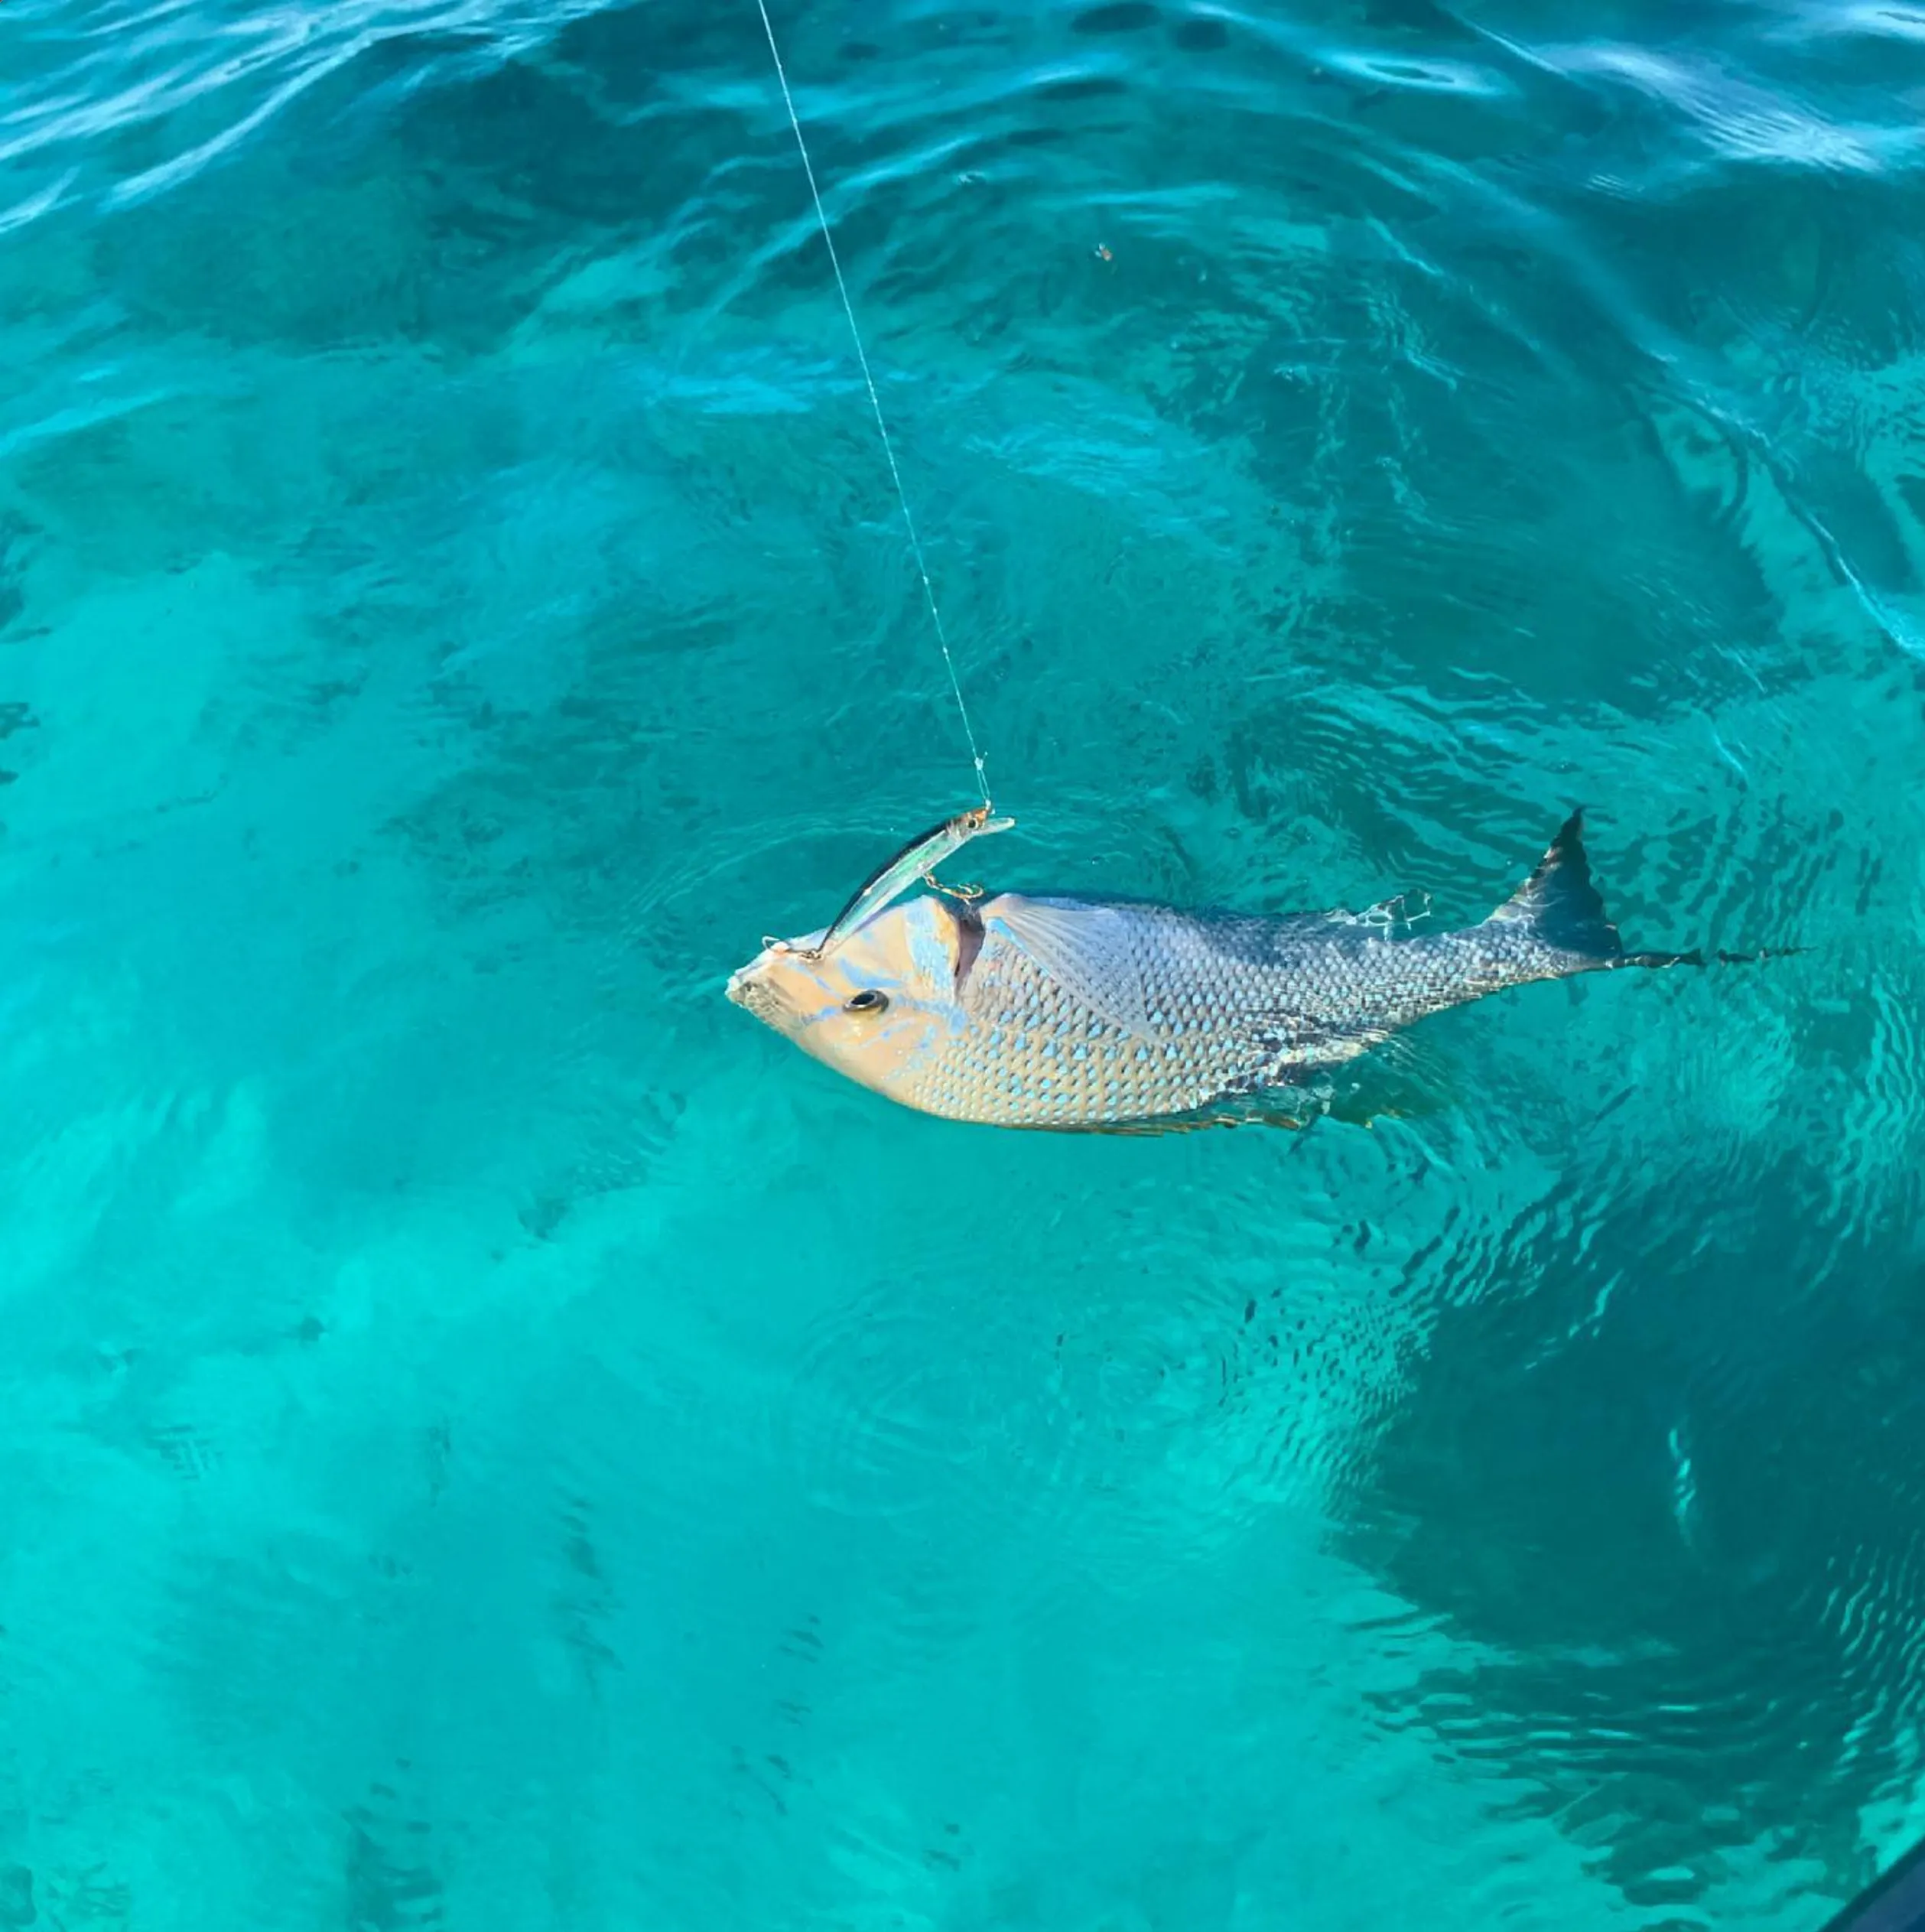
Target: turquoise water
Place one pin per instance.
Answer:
(496, 1439)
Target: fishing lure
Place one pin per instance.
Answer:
(917, 860)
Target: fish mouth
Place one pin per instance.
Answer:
(748, 988)
(751, 986)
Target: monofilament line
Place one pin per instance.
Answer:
(875, 401)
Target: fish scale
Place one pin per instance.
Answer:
(1220, 1022)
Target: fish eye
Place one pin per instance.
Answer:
(867, 1001)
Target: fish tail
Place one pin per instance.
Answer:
(1560, 907)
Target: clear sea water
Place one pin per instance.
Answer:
(493, 1438)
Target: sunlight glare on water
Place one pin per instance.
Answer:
(495, 1437)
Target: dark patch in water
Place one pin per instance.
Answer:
(16, 1907)
(389, 1887)
(636, 43)
(1120, 17)
(1082, 87)
(861, 50)
(1912, 488)
(541, 1218)
(1420, 16)
(1200, 34)
(13, 532)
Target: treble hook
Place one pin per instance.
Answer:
(967, 894)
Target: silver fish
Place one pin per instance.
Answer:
(1065, 1013)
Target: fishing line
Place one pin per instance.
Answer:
(875, 403)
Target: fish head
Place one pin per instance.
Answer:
(878, 1005)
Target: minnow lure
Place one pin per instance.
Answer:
(917, 860)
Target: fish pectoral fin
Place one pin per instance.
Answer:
(1085, 949)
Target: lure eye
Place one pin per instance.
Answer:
(867, 1001)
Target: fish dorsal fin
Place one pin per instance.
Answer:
(1085, 949)
(1558, 905)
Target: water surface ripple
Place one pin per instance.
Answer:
(496, 1439)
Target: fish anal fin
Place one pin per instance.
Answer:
(1178, 1124)
(1085, 949)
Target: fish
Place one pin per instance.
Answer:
(1108, 1015)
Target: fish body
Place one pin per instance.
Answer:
(1066, 1013)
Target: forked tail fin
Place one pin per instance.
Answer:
(1560, 907)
